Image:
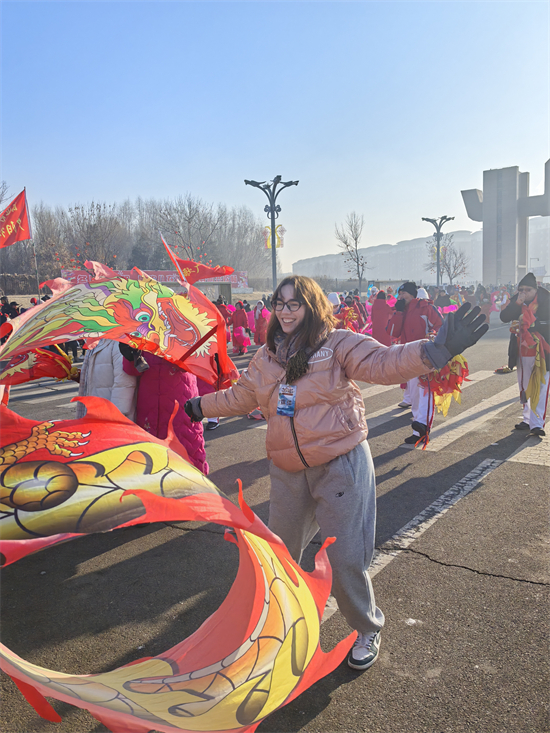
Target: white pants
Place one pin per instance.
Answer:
(534, 415)
(406, 395)
(422, 405)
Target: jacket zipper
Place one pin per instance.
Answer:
(296, 443)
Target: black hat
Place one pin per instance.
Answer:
(409, 287)
(381, 295)
(529, 281)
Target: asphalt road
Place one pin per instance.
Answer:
(461, 574)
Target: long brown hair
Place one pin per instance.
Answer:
(318, 318)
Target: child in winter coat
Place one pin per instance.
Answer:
(159, 388)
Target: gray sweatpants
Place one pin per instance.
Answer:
(339, 498)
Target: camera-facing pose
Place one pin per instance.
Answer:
(322, 475)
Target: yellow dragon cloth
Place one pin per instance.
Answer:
(257, 652)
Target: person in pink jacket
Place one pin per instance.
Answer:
(239, 321)
(159, 388)
(380, 315)
(261, 317)
(322, 474)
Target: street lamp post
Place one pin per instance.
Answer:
(438, 223)
(272, 210)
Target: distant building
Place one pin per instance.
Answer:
(406, 260)
(402, 261)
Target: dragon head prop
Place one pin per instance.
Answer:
(137, 310)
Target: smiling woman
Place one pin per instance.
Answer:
(322, 475)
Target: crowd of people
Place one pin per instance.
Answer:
(302, 379)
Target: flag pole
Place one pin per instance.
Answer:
(36, 270)
(33, 248)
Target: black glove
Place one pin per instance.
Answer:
(135, 356)
(127, 351)
(460, 329)
(193, 409)
(400, 305)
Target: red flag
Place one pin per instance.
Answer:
(194, 271)
(14, 222)
(227, 371)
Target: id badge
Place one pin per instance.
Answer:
(287, 400)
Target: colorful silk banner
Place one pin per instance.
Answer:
(138, 311)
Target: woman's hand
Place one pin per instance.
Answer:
(459, 331)
(193, 409)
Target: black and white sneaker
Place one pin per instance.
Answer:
(365, 651)
(212, 425)
(539, 432)
(522, 426)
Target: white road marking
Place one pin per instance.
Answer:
(535, 451)
(414, 529)
(47, 399)
(21, 396)
(470, 420)
(374, 419)
(376, 389)
(27, 393)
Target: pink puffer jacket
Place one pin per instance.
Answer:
(329, 418)
(159, 388)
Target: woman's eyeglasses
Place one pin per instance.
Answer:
(292, 305)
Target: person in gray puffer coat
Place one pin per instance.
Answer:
(103, 375)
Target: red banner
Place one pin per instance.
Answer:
(14, 222)
(238, 279)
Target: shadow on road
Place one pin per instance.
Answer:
(169, 582)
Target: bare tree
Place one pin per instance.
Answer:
(4, 195)
(452, 261)
(189, 223)
(239, 242)
(52, 250)
(349, 236)
(90, 230)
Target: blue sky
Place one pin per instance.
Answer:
(384, 108)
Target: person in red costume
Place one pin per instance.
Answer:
(239, 321)
(412, 320)
(529, 350)
(355, 317)
(261, 317)
(380, 315)
(361, 307)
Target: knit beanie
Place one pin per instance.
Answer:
(410, 287)
(333, 298)
(529, 281)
